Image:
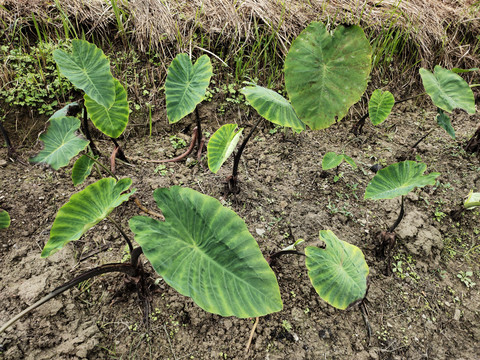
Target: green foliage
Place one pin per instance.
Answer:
(61, 142)
(332, 160)
(206, 252)
(221, 145)
(84, 210)
(327, 73)
(398, 179)
(380, 106)
(186, 85)
(4, 219)
(82, 169)
(444, 122)
(273, 107)
(30, 78)
(473, 200)
(339, 272)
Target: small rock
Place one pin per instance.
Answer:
(457, 314)
(260, 232)
(3, 163)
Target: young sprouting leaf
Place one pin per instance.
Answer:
(273, 107)
(111, 120)
(64, 111)
(61, 142)
(186, 85)
(398, 179)
(448, 90)
(331, 160)
(205, 251)
(461, 71)
(82, 169)
(473, 200)
(339, 272)
(326, 74)
(444, 122)
(350, 161)
(88, 69)
(84, 210)
(4, 219)
(221, 145)
(380, 106)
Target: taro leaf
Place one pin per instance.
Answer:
(273, 107)
(186, 85)
(326, 74)
(64, 111)
(84, 210)
(205, 251)
(380, 106)
(339, 272)
(4, 219)
(88, 69)
(461, 71)
(61, 142)
(350, 161)
(110, 120)
(398, 179)
(331, 160)
(444, 122)
(448, 90)
(82, 169)
(472, 201)
(221, 145)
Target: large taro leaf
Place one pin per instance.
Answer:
(84, 210)
(339, 272)
(82, 169)
(380, 106)
(110, 120)
(273, 107)
(186, 85)
(325, 74)
(4, 219)
(448, 90)
(221, 145)
(88, 69)
(206, 252)
(61, 142)
(398, 179)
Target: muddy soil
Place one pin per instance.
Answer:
(427, 309)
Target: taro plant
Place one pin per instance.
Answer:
(332, 160)
(380, 106)
(4, 219)
(390, 182)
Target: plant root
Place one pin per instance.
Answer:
(146, 210)
(231, 186)
(251, 335)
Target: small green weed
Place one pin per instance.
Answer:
(466, 278)
(177, 143)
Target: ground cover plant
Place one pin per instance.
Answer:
(426, 307)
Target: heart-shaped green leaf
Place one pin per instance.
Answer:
(444, 122)
(82, 169)
(331, 160)
(4, 219)
(205, 251)
(473, 200)
(88, 69)
(61, 142)
(380, 106)
(339, 272)
(111, 120)
(221, 145)
(186, 85)
(448, 90)
(84, 210)
(273, 107)
(398, 179)
(326, 74)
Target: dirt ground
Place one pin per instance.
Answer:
(427, 309)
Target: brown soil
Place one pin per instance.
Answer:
(423, 312)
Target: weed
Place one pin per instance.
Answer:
(177, 143)
(466, 278)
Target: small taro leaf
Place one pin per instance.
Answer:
(113, 120)
(380, 106)
(4, 219)
(326, 74)
(84, 210)
(350, 161)
(63, 111)
(461, 71)
(205, 251)
(82, 169)
(331, 160)
(339, 272)
(186, 85)
(273, 107)
(472, 201)
(221, 145)
(444, 122)
(398, 179)
(88, 69)
(448, 90)
(61, 142)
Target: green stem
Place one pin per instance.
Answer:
(103, 166)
